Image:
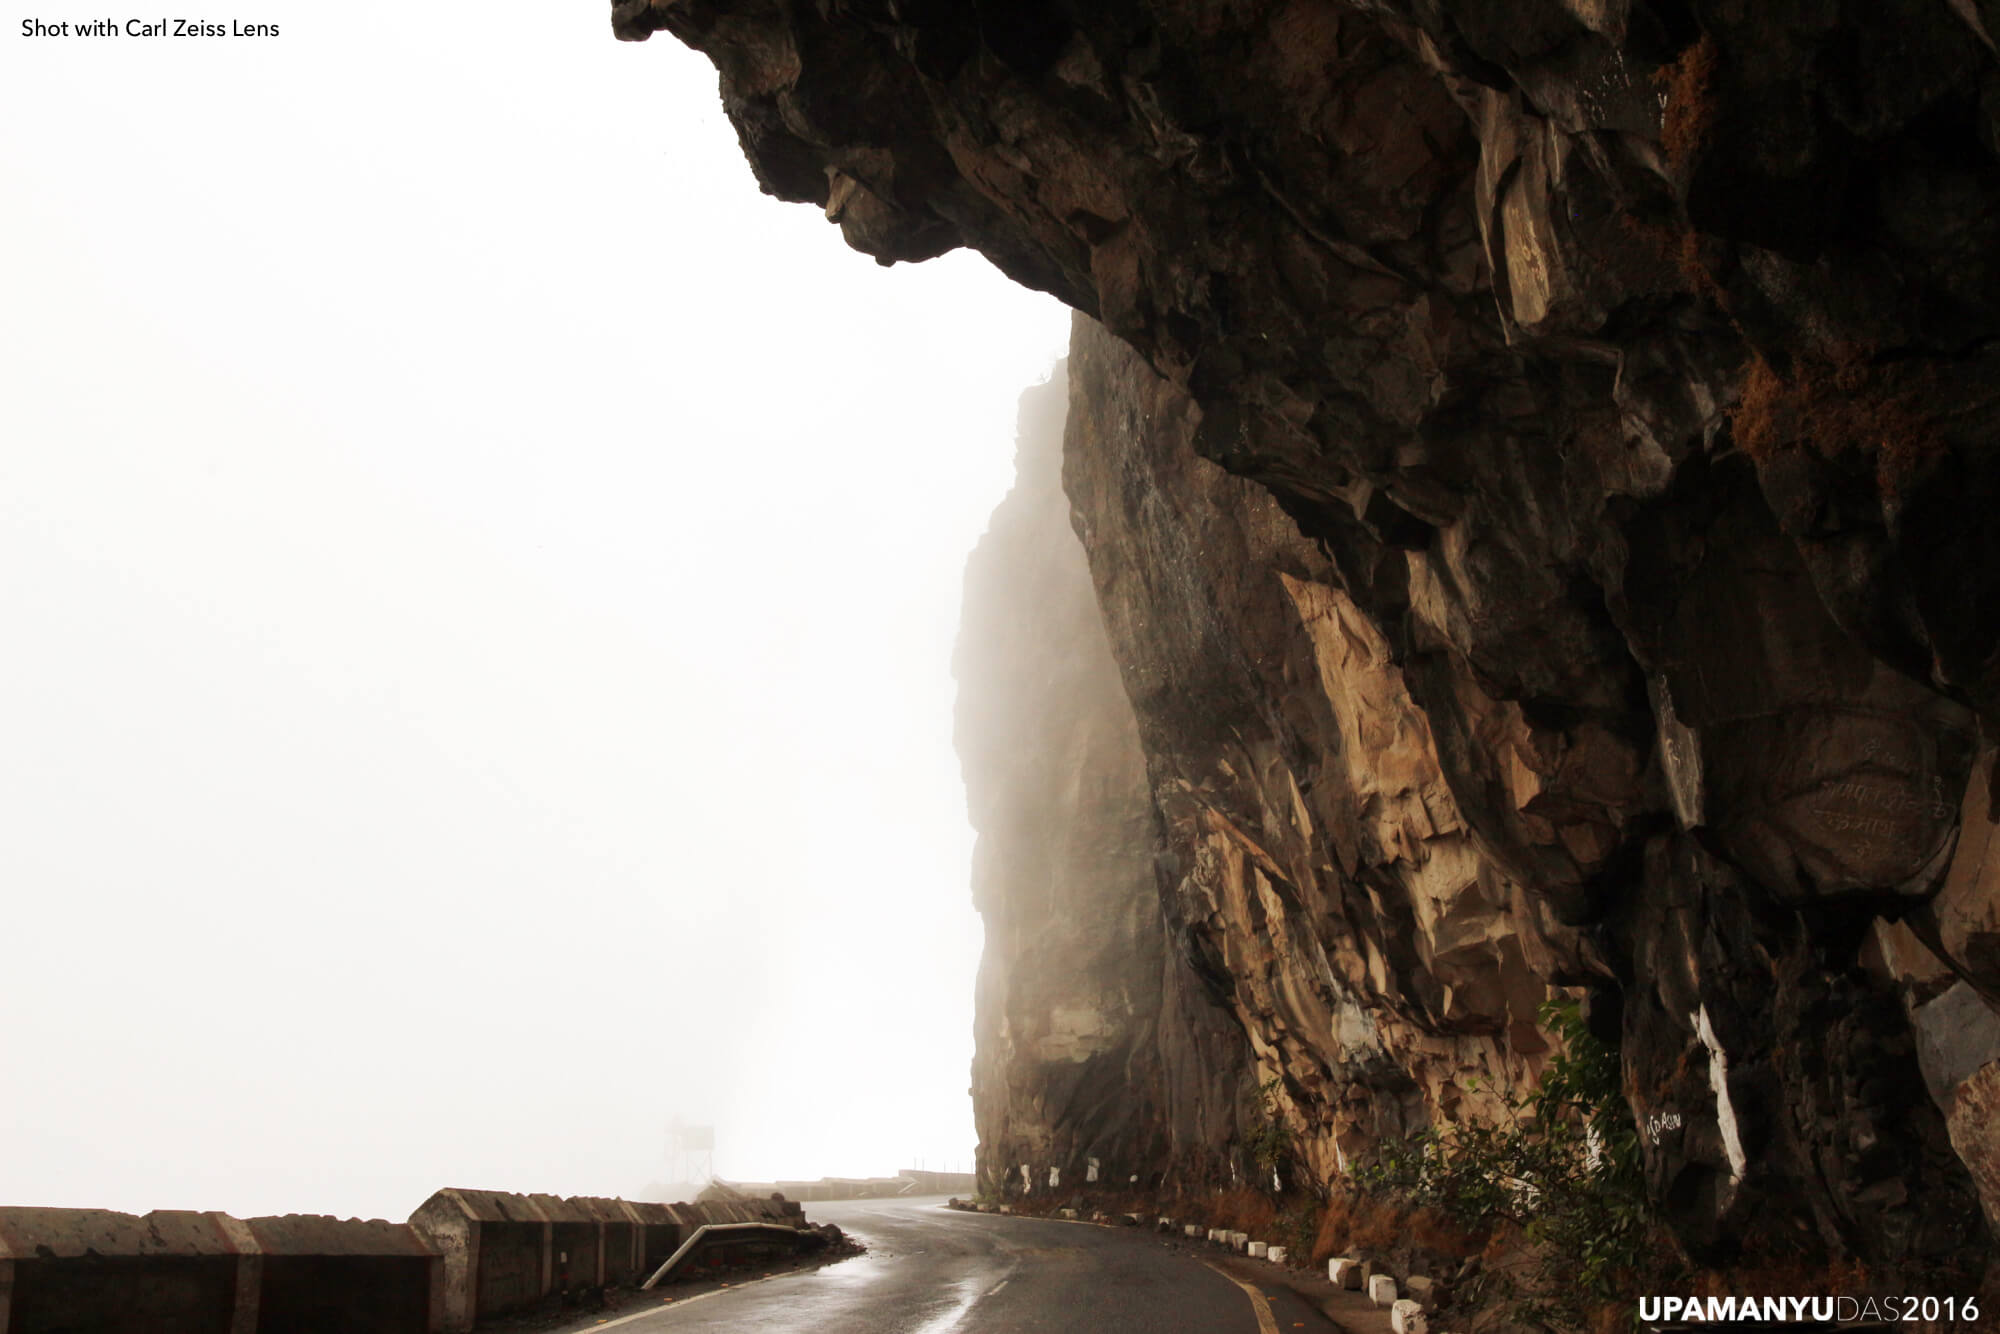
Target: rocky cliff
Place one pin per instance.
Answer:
(1600, 583)
(1102, 1057)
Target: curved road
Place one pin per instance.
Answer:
(933, 1270)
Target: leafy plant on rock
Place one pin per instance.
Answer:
(1269, 1141)
(1564, 1168)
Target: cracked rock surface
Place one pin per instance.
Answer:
(1535, 461)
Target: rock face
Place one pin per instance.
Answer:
(1599, 586)
(1318, 867)
(1101, 1054)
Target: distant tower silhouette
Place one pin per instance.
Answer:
(691, 1150)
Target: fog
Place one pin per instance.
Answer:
(479, 585)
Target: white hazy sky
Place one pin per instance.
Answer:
(478, 584)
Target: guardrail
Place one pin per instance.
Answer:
(912, 1181)
(702, 1234)
(502, 1253)
(464, 1257)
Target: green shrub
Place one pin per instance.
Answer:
(1564, 1168)
(1269, 1141)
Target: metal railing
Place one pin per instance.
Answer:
(704, 1230)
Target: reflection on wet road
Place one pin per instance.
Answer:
(933, 1270)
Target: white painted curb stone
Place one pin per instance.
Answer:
(1192, 1230)
(1382, 1289)
(1344, 1272)
(1276, 1255)
(1257, 1250)
(1407, 1317)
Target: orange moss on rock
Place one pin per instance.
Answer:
(1354, 1222)
(1837, 405)
(1245, 1210)
(1688, 119)
(1762, 419)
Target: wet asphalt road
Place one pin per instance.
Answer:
(933, 1270)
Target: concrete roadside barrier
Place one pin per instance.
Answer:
(619, 1257)
(1381, 1289)
(1344, 1271)
(464, 1257)
(575, 1243)
(1257, 1249)
(1276, 1255)
(910, 1181)
(1407, 1317)
(1192, 1230)
(494, 1246)
(210, 1273)
(502, 1252)
(319, 1273)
